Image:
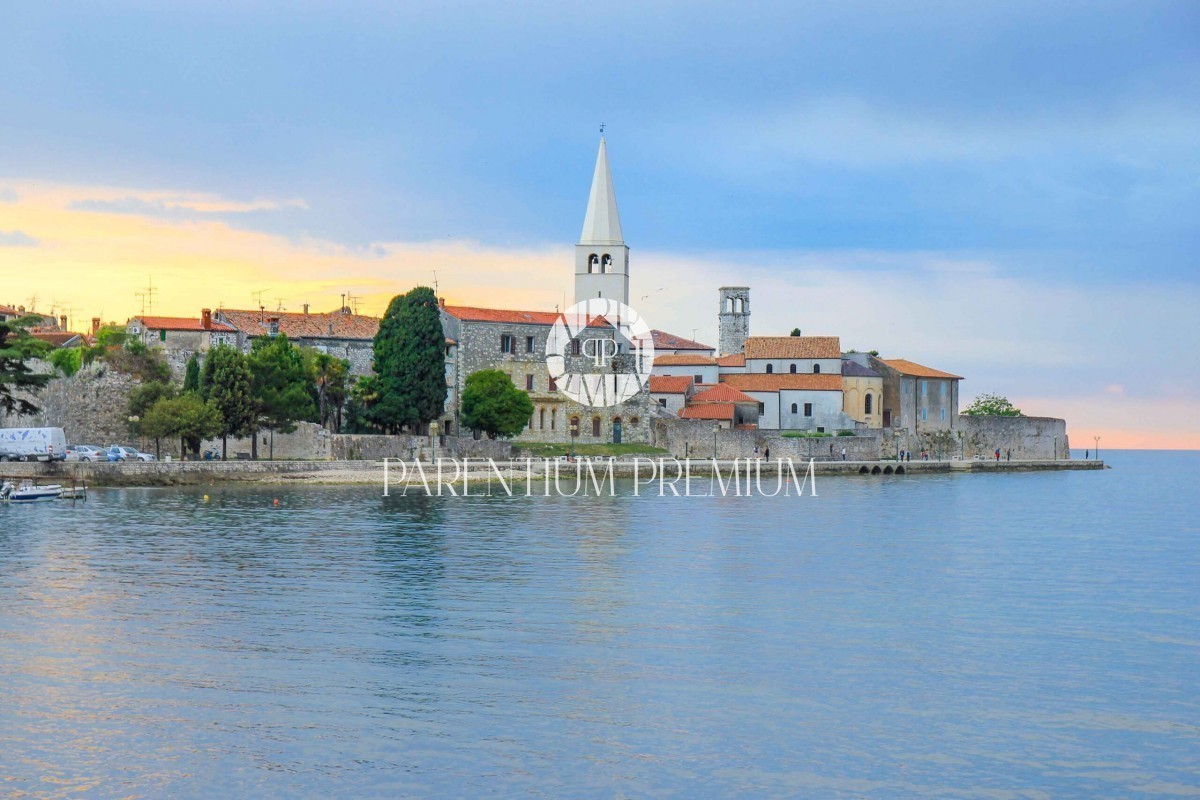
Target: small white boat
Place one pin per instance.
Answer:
(29, 492)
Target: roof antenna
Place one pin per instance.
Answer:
(435, 282)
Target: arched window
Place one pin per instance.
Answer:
(770, 368)
(596, 427)
(867, 403)
(542, 419)
(634, 420)
(816, 369)
(593, 263)
(606, 263)
(794, 408)
(553, 418)
(792, 369)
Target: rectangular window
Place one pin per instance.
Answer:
(575, 347)
(808, 409)
(924, 388)
(553, 385)
(762, 408)
(698, 378)
(943, 389)
(529, 383)
(506, 343)
(162, 336)
(662, 401)
(553, 418)
(528, 344)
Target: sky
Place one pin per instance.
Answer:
(1009, 191)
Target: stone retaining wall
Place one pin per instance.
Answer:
(1026, 437)
(695, 438)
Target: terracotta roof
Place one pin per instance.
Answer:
(853, 369)
(298, 325)
(684, 360)
(759, 382)
(670, 384)
(7, 310)
(669, 341)
(708, 411)
(905, 367)
(473, 314)
(793, 347)
(56, 338)
(732, 360)
(180, 324)
(722, 393)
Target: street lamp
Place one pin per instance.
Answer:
(896, 433)
(574, 433)
(716, 429)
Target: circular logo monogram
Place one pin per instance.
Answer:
(600, 353)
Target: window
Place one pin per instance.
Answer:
(924, 388)
(794, 409)
(816, 369)
(808, 409)
(575, 426)
(542, 419)
(506, 343)
(529, 383)
(606, 263)
(596, 427)
(162, 336)
(698, 378)
(867, 403)
(770, 368)
(662, 401)
(553, 385)
(528, 344)
(943, 383)
(553, 418)
(762, 408)
(792, 369)
(593, 263)
(634, 420)
(576, 349)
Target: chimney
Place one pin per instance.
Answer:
(206, 318)
(21, 310)
(273, 326)
(62, 322)
(95, 325)
(442, 302)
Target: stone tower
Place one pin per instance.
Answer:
(734, 319)
(601, 257)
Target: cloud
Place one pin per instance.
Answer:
(8, 194)
(17, 239)
(182, 208)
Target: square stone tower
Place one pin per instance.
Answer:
(734, 319)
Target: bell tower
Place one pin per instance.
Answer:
(601, 257)
(734, 319)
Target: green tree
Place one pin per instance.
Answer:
(360, 405)
(187, 416)
(139, 402)
(991, 405)
(331, 377)
(490, 403)
(227, 383)
(282, 385)
(191, 374)
(795, 332)
(410, 361)
(67, 360)
(16, 376)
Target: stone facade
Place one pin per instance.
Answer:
(311, 442)
(90, 406)
(696, 439)
(917, 404)
(1026, 437)
(733, 319)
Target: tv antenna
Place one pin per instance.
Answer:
(353, 299)
(435, 282)
(279, 304)
(258, 297)
(147, 297)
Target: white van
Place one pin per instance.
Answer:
(33, 444)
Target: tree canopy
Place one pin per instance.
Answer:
(491, 404)
(16, 376)
(991, 405)
(331, 378)
(410, 362)
(281, 384)
(191, 374)
(795, 332)
(227, 383)
(187, 416)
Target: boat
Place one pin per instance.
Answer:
(29, 492)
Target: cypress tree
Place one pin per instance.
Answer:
(410, 361)
(191, 374)
(227, 383)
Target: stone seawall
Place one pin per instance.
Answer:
(696, 438)
(1026, 437)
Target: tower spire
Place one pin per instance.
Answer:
(602, 223)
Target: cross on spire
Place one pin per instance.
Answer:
(602, 126)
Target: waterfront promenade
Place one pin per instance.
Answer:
(179, 473)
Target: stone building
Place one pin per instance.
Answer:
(671, 392)
(733, 320)
(916, 398)
(340, 333)
(800, 402)
(862, 391)
(700, 368)
(181, 335)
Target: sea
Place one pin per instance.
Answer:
(1008, 635)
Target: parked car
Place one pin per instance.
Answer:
(85, 452)
(118, 452)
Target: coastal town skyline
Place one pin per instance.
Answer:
(1039, 247)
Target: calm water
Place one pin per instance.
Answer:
(1006, 636)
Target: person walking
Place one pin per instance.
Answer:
(756, 451)
(843, 454)
(1008, 455)
(1087, 455)
(997, 455)
(767, 452)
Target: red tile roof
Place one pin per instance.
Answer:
(473, 314)
(732, 360)
(906, 367)
(7, 310)
(759, 382)
(720, 411)
(670, 384)
(56, 338)
(298, 325)
(180, 324)
(669, 341)
(722, 393)
(793, 347)
(685, 360)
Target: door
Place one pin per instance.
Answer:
(887, 418)
(617, 430)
